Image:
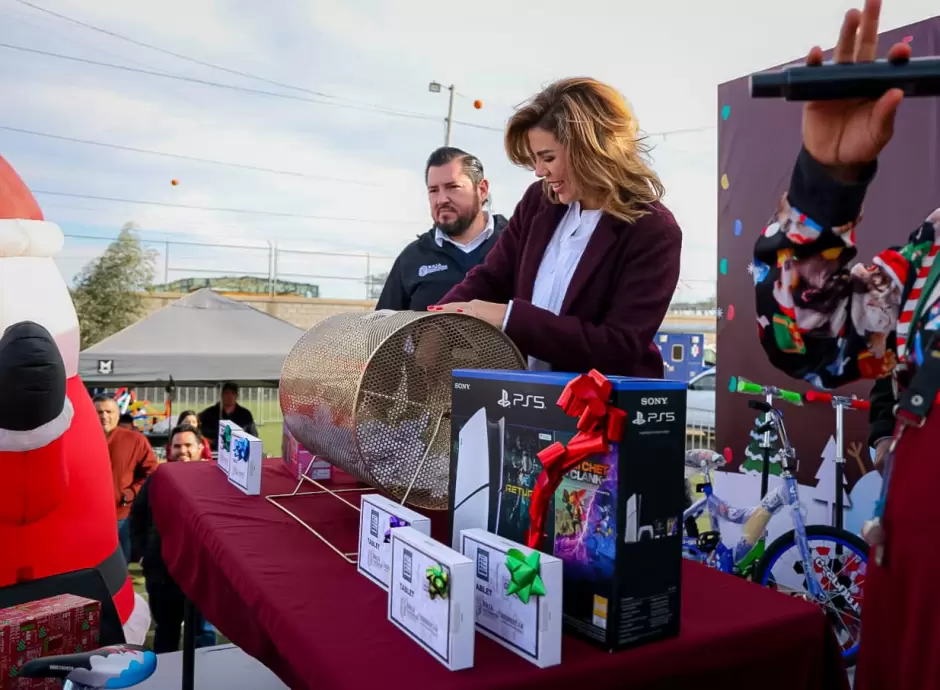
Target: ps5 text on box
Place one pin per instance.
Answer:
(430, 597)
(224, 446)
(518, 595)
(378, 516)
(246, 461)
(612, 516)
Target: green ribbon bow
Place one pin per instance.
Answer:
(438, 582)
(524, 578)
(227, 438)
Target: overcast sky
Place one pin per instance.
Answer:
(358, 59)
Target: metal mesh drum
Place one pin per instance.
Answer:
(371, 393)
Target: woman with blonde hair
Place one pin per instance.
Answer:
(583, 274)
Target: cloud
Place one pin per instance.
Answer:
(667, 57)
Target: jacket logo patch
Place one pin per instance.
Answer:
(433, 268)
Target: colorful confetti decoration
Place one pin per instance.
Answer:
(723, 267)
(726, 112)
(758, 270)
(525, 580)
(438, 581)
(730, 314)
(738, 227)
(724, 181)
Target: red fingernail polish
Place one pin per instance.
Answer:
(460, 311)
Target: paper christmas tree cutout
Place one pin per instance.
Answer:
(826, 479)
(754, 454)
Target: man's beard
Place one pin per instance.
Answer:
(463, 221)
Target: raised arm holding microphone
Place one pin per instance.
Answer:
(831, 321)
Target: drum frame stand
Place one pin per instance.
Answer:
(351, 557)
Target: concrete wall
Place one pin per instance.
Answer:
(304, 312)
(300, 311)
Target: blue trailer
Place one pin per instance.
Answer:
(683, 354)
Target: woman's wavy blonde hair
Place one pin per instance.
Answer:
(607, 159)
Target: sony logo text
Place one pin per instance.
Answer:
(645, 402)
(462, 386)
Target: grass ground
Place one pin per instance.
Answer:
(138, 579)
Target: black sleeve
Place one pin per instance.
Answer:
(140, 522)
(393, 293)
(881, 410)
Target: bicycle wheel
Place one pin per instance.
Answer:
(842, 577)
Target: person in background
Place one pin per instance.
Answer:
(126, 421)
(164, 595)
(582, 276)
(226, 408)
(882, 399)
(132, 460)
(190, 418)
(830, 321)
(463, 234)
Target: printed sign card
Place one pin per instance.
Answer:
(431, 597)
(518, 595)
(377, 518)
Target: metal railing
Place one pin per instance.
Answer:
(336, 275)
(700, 429)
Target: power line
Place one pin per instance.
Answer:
(220, 85)
(262, 92)
(278, 214)
(179, 156)
(188, 58)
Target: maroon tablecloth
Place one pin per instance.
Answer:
(279, 593)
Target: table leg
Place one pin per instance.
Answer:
(189, 646)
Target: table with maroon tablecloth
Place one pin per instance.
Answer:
(285, 598)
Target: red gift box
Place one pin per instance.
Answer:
(65, 624)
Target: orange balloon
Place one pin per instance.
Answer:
(174, 182)
(478, 104)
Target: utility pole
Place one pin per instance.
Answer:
(436, 87)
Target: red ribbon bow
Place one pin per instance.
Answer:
(585, 397)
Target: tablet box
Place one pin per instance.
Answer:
(378, 516)
(226, 429)
(527, 623)
(443, 625)
(300, 462)
(245, 464)
(611, 519)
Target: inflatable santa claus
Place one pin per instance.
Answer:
(57, 510)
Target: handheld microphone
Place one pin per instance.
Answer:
(918, 77)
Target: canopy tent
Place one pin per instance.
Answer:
(200, 339)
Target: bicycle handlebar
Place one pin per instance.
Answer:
(741, 385)
(845, 401)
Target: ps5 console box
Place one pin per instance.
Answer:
(613, 520)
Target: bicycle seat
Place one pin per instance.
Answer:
(708, 541)
(702, 458)
(120, 666)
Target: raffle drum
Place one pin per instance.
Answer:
(371, 393)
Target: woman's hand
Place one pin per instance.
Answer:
(490, 312)
(847, 135)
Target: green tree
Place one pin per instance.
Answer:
(109, 292)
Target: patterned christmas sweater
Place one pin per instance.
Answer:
(823, 318)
